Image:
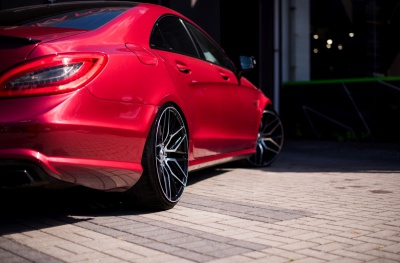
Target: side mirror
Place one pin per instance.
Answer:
(247, 62)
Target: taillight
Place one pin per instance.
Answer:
(53, 74)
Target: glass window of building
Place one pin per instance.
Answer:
(355, 39)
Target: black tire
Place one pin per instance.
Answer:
(165, 162)
(269, 141)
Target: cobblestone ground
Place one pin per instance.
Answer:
(319, 202)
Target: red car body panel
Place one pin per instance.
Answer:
(95, 135)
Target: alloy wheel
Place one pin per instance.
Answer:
(269, 140)
(171, 153)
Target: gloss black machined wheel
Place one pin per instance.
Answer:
(165, 162)
(269, 141)
(171, 154)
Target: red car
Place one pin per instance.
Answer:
(122, 96)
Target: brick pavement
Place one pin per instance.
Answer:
(319, 202)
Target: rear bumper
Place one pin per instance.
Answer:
(28, 168)
(72, 138)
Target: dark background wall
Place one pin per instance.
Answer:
(367, 111)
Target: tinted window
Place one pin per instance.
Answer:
(170, 34)
(211, 51)
(79, 15)
(84, 19)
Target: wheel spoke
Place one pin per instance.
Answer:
(179, 170)
(273, 129)
(177, 142)
(165, 179)
(272, 141)
(260, 153)
(165, 128)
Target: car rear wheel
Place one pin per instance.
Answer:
(165, 162)
(269, 140)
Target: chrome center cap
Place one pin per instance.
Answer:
(163, 155)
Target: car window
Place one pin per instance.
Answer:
(210, 50)
(88, 19)
(170, 34)
(87, 16)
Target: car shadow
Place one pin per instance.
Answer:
(22, 208)
(204, 174)
(305, 156)
(70, 205)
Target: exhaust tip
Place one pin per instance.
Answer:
(17, 176)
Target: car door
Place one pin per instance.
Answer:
(239, 101)
(195, 80)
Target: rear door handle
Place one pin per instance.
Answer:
(224, 75)
(183, 68)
